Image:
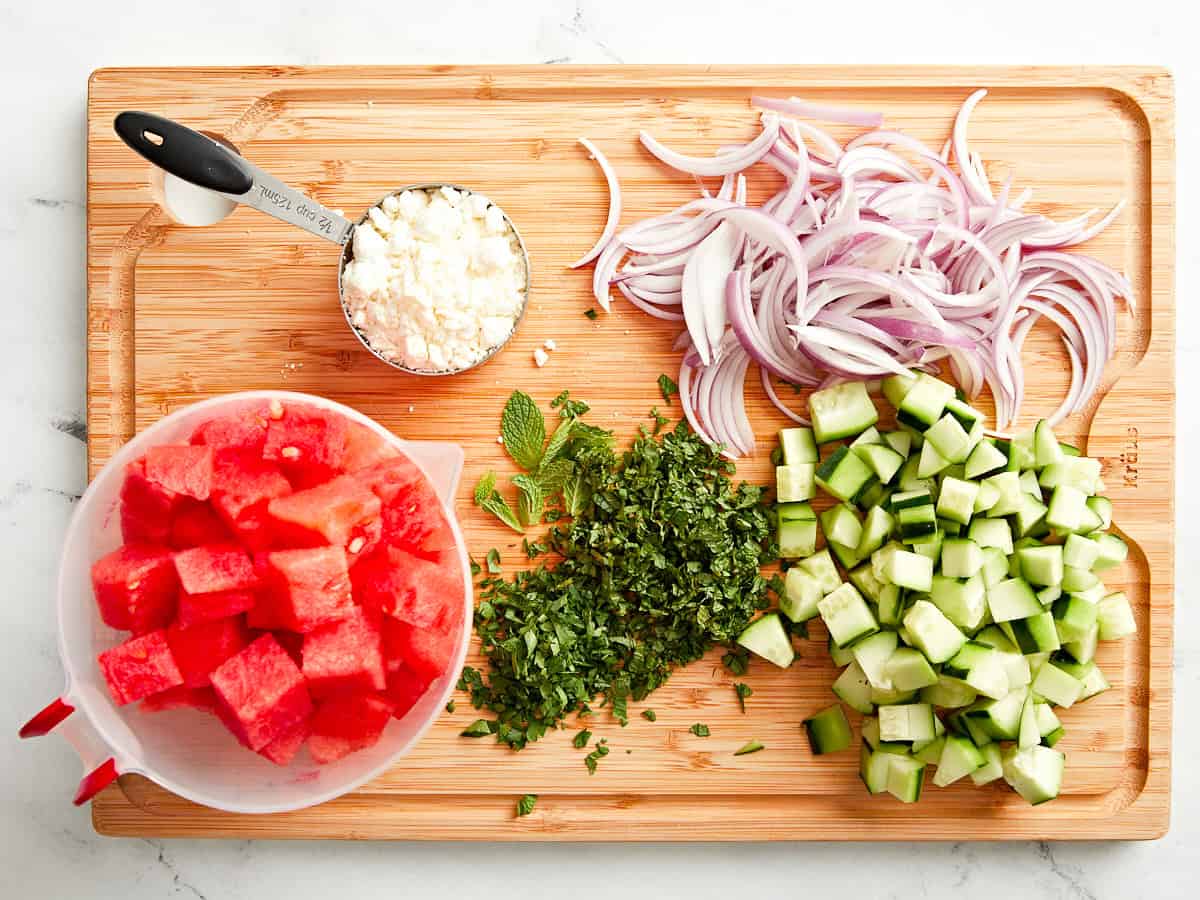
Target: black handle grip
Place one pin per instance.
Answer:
(184, 153)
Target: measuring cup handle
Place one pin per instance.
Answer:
(184, 153)
(86, 742)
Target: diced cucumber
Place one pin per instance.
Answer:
(1034, 634)
(1059, 687)
(896, 386)
(992, 533)
(905, 499)
(841, 411)
(872, 654)
(1047, 595)
(999, 718)
(924, 401)
(992, 767)
(1028, 734)
(1020, 453)
(909, 480)
(1030, 516)
(874, 494)
(840, 523)
(929, 546)
(828, 731)
(900, 441)
(1008, 488)
(1049, 727)
(1029, 484)
(1069, 449)
(881, 697)
(882, 459)
(980, 666)
(891, 604)
(956, 500)
(948, 527)
(1045, 445)
(820, 566)
(959, 758)
(1115, 617)
(906, 722)
(932, 633)
(948, 438)
(797, 530)
(847, 615)
(961, 558)
(988, 495)
(909, 570)
(1035, 772)
(1083, 649)
(931, 751)
(767, 638)
(1102, 507)
(1113, 551)
(1089, 676)
(1080, 552)
(971, 728)
(847, 556)
(908, 670)
(863, 578)
(801, 594)
(931, 462)
(1076, 581)
(853, 689)
(1043, 565)
(948, 693)
(798, 446)
(995, 565)
(840, 656)
(875, 530)
(1012, 599)
(870, 436)
(843, 474)
(873, 768)
(1067, 504)
(916, 522)
(963, 602)
(1073, 617)
(795, 482)
(984, 460)
(1080, 472)
(906, 774)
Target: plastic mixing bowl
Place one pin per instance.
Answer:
(184, 750)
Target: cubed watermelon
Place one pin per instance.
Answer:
(404, 688)
(412, 512)
(139, 667)
(243, 485)
(221, 567)
(199, 649)
(261, 693)
(181, 697)
(146, 507)
(365, 447)
(340, 512)
(307, 587)
(195, 609)
(410, 588)
(345, 657)
(284, 748)
(293, 643)
(244, 430)
(136, 587)
(347, 723)
(308, 443)
(429, 652)
(187, 470)
(194, 524)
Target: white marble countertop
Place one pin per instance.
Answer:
(49, 849)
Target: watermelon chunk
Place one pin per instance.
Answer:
(261, 693)
(243, 486)
(340, 512)
(404, 688)
(307, 587)
(284, 748)
(194, 523)
(135, 588)
(427, 651)
(410, 588)
(139, 667)
(146, 507)
(181, 697)
(308, 443)
(196, 609)
(345, 657)
(293, 643)
(245, 430)
(412, 512)
(185, 470)
(201, 648)
(347, 723)
(365, 447)
(206, 570)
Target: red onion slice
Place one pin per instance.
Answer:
(614, 205)
(794, 106)
(725, 164)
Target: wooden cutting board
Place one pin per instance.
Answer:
(179, 314)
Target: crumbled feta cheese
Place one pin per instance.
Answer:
(438, 279)
(550, 345)
(540, 357)
(499, 439)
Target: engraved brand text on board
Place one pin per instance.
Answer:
(1129, 457)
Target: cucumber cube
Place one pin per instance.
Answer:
(909, 570)
(841, 411)
(1067, 504)
(1045, 445)
(895, 387)
(1080, 552)
(1113, 551)
(821, 567)
(1079, 472)
(1043, 565)
(795, 482)
(930, 752)
(961, 558)
(948, 693)
(907, 722)
(1059, 687)
(1008, 487)
(841, 525)
(883, 460)
(891, 604)
(1102, 507)
(1083, 649)
(931, 462)
(801, 594)
(906, 775)
(847, 616)
(798, 446)
(853, 689)
(767, 638)
(900, 441)
(963, 602)
(1115, 617)
(1012, 599)
(992, 533)
(956, 500)
(995, 565)
(925, 400)
(1034, 634)
(875, 530)
(932, 633)
(959, 758)
(1076, 581)
(908, 670)
(828, 731)
(987, 497)
(1035, 772)
(1028, 734)
(992, 767)
(843, 474)
(1030, 515)
(949, 439)
(1074, 617)
(984, 459)
(872, 654)
(873, 768)
(797, 537)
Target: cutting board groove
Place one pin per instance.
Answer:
(178, 314)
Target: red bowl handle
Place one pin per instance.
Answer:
(46, 720)
(95, 781)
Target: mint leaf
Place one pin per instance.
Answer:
(525, 804)
(581, 739)
(748, 747)
(558, 441)
(667, 386)
(478, 728)
(484, 487)
(743, 691)
(523, 428)
(493, 561)
(576, 494)
(591, 314)
(553, 474)
(699, 730)
(596, 755)
(499, 508)
(649, 715)
(531, 501)
(568, 408)
(736, 661)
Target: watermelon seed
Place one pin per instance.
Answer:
(276, 409)
(290, 452)
(134, 585)
(356, 545)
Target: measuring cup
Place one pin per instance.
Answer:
(202, 161)
(185, 751)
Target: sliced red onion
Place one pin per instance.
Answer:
(725, 164)
(794, 106)
(614, 205)
(773, 396)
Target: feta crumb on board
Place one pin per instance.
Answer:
(550, 344)
(540, 357)
(438, 279)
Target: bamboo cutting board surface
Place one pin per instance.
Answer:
(179, 314)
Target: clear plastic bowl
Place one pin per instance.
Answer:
(184, 750)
